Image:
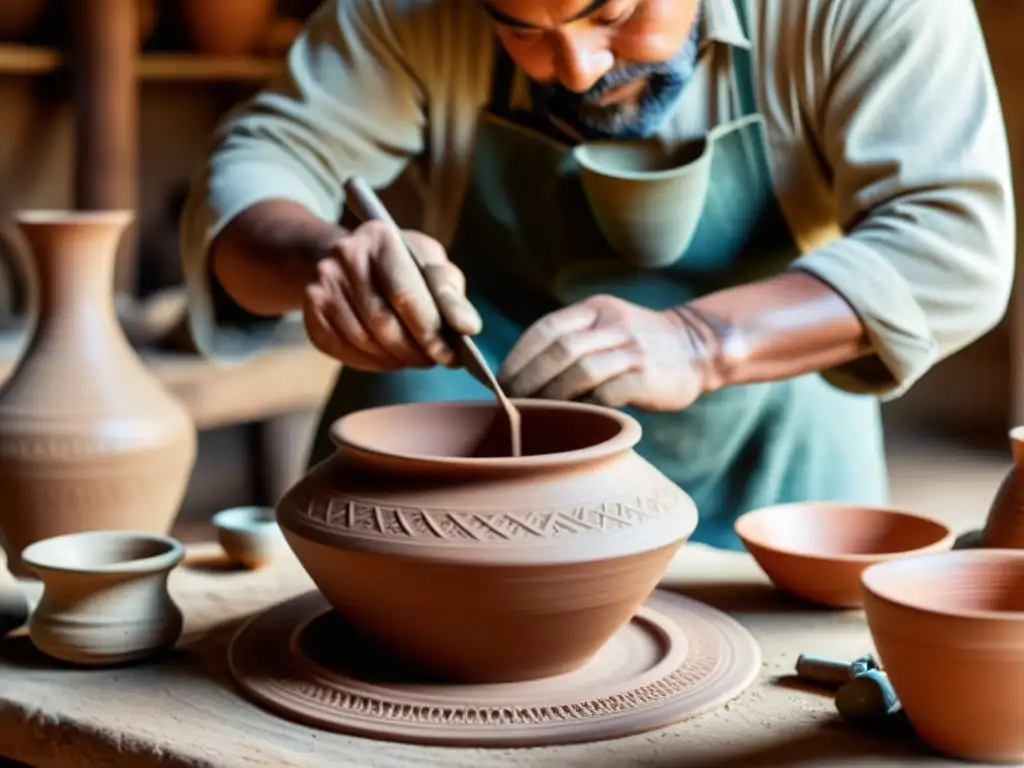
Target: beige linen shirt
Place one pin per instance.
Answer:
(885, 138)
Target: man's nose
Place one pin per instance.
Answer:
(582, 62)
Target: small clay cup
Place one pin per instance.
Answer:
(105, 598)
(647, 196)
(646, 199)
(949, 631)
(817, 550)
(249, 536)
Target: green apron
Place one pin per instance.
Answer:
(528, 244)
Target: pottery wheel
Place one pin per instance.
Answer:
(676, 659)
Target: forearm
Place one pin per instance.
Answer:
(265, 256)
(774, 329)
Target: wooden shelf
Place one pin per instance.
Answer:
(192, 66)
(29, 60)
(167, 67)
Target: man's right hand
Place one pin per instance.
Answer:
(370, 306)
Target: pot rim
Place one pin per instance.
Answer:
(583, 154)
(37, 555)
(875, 583)
(624, 440)
(939, 546)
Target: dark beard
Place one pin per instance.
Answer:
(637, 119)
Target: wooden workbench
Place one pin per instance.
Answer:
(183, 711)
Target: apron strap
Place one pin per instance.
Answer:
(743, 66)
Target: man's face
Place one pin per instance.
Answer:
(601, 60)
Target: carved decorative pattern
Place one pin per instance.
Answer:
(336, 514)
(700, 663)
(70, 446)
(704, 659)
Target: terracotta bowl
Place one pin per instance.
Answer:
(949, 630)
(817, 550)
(473, 566)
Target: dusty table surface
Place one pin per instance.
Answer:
(183, 710)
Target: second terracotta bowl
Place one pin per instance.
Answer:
(818, 550)
(473, 566)
(949, 630)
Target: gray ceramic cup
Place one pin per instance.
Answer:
(646, 197)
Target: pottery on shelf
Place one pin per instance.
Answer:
(949, 630)
(226, 27)
(818, 550)
(249, 536)
(105, 599)
(1004, 527)
(473, 566)
(89, 437)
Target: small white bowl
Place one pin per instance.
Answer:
(249, 536)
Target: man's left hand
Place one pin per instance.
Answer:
(610, 352)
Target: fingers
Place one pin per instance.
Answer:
(373, 307)
(448, 286)
(619, 391)
(376, 271)
(334, 338)
(589, 374)
(542, 334)
(567, 366)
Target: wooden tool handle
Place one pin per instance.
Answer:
(359, 192)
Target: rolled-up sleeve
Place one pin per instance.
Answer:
(347, 103)
(910, 124)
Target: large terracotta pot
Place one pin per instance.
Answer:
(475, 567)
(89, 438)
(226, 27)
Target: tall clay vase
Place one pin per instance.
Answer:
(1004, 528)
(89, 438)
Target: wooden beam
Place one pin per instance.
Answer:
(106, 97)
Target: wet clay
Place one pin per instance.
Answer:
(674, 660)
(474, 566)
